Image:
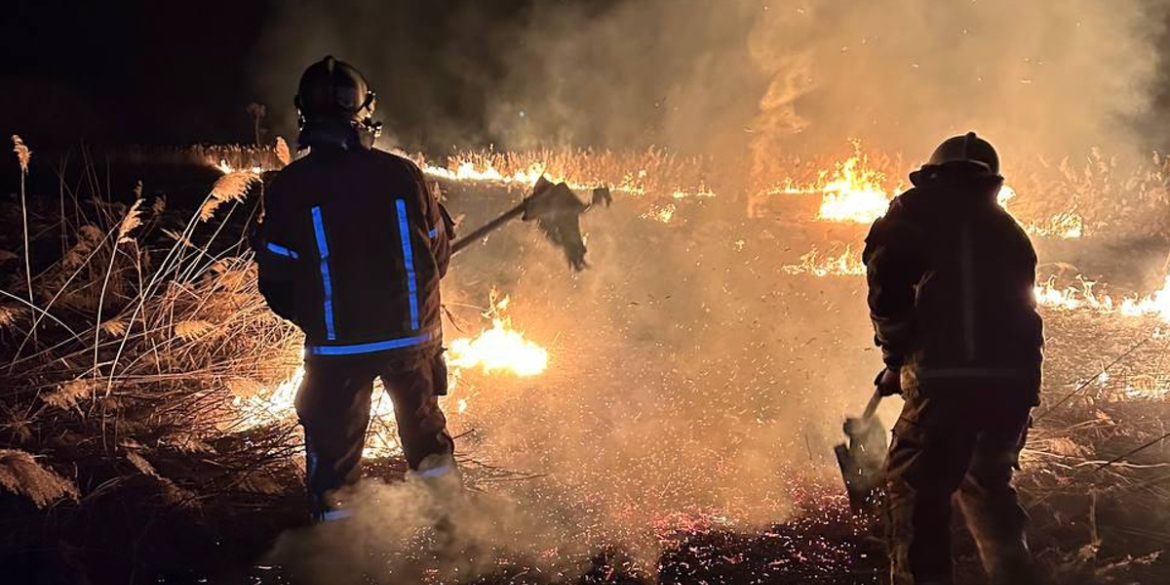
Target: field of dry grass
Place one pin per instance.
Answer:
(134, 340)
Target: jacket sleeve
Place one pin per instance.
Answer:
(278, 256)
(894, 267)
(438, 229)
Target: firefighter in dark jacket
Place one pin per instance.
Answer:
(951, 279)
(351, 249)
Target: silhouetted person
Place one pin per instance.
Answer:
(951, 277)
(352, 248)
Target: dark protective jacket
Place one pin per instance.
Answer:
(951, 285)
(352, 249)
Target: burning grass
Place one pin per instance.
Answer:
(156, 365)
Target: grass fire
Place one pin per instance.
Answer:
(586, 292)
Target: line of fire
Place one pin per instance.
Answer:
(757, 301)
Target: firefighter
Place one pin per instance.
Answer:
(951, 277)
(351, 249)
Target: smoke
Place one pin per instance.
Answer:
(784, 78)
(732, 78)
(690, 381)
(415, 532)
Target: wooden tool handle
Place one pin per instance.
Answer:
(489, 227)
(872, 406)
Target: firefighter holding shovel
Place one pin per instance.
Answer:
(951, 277)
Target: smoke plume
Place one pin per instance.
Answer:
(742, 76)
(688, 378)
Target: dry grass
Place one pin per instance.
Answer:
(150, 328)
(141, 324)
(20, 473)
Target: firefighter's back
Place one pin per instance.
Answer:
(975, 307)
(360, 222)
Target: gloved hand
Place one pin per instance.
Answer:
(888, 382)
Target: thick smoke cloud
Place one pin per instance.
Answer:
(1052, 78)
(734, 76)
(689, 377)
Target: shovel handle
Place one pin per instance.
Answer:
(542, 187)
(489, 227)
(871, 407)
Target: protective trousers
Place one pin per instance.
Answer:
(961, 443)
(333, 405)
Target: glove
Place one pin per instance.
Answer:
(888, 382)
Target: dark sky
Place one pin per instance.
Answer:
(177, 72)
(156, 72)
(127, 71)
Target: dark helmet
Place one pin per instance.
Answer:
(967, 150)
(334, 90)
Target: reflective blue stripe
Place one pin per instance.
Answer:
(408, 258)
(311, 455)
(326, 283)
(434, 233)
(282, 251)
(435, 472)
(334, 515)
(370, 347)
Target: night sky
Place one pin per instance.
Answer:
(128, 71)
(173, 73)
(152, 72)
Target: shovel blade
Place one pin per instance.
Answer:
(862, 462)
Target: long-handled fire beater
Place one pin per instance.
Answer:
(557, 210)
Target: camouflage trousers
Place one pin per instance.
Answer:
(957, 444)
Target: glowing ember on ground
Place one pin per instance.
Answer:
(499, 349)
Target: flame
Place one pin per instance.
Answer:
(278, 404)
(1079, 297)
(663, 214)
(848, 263)
(270, 405)
(1066, 225)
(1147, 387)
(1084, 298)
(581, 170)
(467, 170)
(852, 191)
(499, 349)
(227, 169)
